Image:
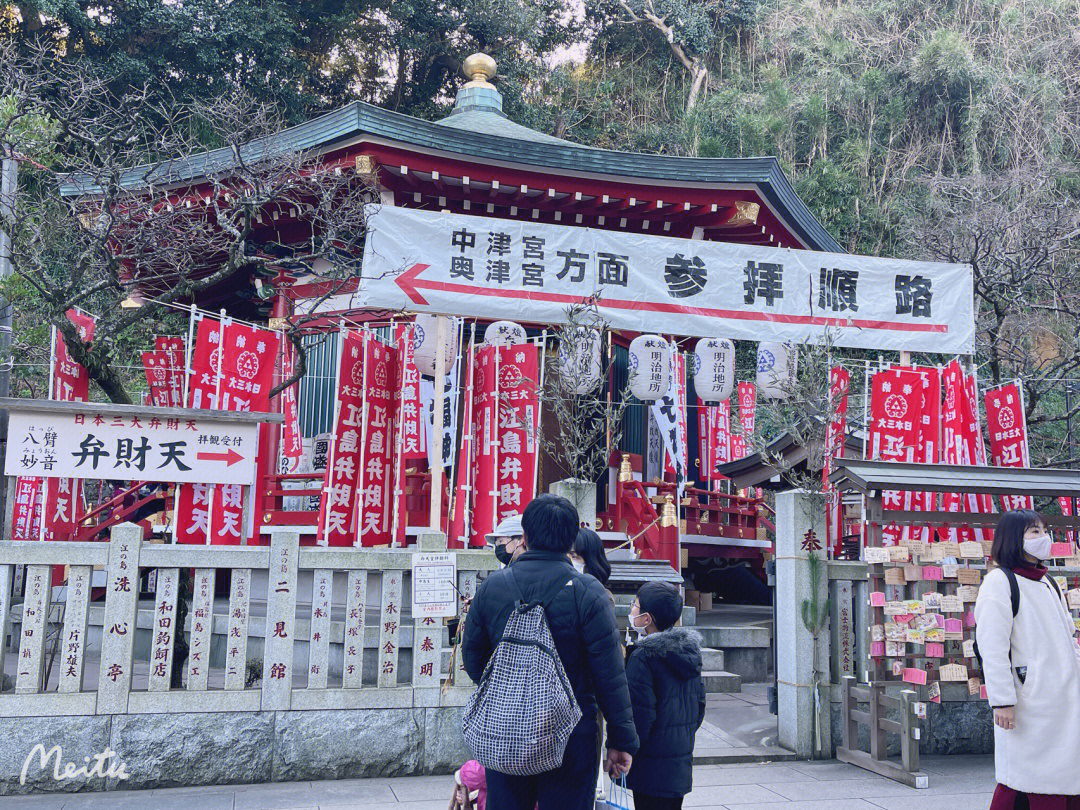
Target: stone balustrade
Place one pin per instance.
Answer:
(350, 590)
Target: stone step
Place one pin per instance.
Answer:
(722, 638)
(746, 650)
(712, 660)
(717, 681)
(753, 754)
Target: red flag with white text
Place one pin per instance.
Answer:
(172, 347)
(835, 433)
(156, 369)
(26, 510)
(1007, 432)
(714, 437)
(64, 505)
(376, 470)
(241, 383)
(895, 415)
(337, 510)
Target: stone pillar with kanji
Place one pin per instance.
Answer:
(801, 660)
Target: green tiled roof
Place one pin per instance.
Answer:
(490, 123)
(488, 136)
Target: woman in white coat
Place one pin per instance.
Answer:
(1031, 667)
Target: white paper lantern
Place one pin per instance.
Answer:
(579, 360)
(777, 364)
(649, 365)
(505, 333)
(425, 344)
(714, 369)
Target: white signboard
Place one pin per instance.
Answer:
(434, 575)
(138, 447)
(427, 261)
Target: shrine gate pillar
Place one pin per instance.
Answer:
(802, 633)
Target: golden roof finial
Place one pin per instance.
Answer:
(480, 69)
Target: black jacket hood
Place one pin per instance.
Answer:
(679, 648)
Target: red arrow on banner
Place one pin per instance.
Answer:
(411, 283)
(408, 283)
(230, 457)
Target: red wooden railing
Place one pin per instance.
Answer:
(638, 511)
(91, 527)
(416, 507)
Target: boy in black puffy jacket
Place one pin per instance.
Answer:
(663, 669)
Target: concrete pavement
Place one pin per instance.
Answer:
(956, 783)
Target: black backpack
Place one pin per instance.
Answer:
(1014, 594)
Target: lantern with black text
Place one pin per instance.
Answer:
(649, 365)
(425, 344)
(714, 369)
(505, 333)
(776, 367)
(579, 360)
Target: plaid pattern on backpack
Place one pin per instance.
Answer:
(519, 719)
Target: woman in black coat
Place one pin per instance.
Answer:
(663, 670)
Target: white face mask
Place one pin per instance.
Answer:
(580, 566)
(1038, 547)
(633, 628)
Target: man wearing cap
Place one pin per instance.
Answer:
(508, 539)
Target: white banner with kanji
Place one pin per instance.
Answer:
(670, 416)
(522, 270)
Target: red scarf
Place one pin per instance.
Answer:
(1035, 572)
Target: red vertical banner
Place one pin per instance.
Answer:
(681, 402)
(1066, 504)
(1007, 428)
(156, 369)
(895, 418)
(413, 434)
(193, 503)
(337, 513)
(26, 510)
(741, 441)
(292, 441)
(954, 446)
(714, 437)
(172, 347)
(64, 496)
(409, 444)
(232, 369)
(706, 457)
(979, 503)
(835, 433)
(929, 440)
(375, 497)
(836, 430)
(247, 375)
(485, 428)
(519, 412)
(962, 444)
(722, 432)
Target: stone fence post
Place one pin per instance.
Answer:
(802, 663)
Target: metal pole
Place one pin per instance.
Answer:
(8, 184)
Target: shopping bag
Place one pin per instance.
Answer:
(618, 797)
